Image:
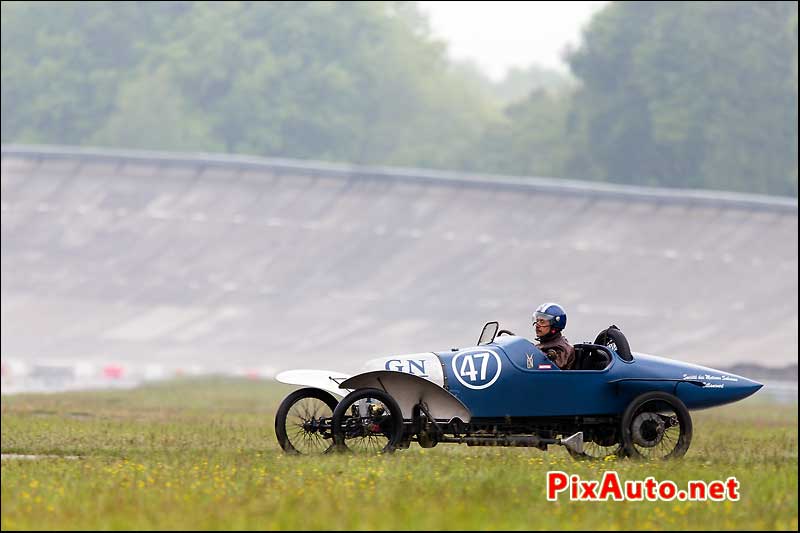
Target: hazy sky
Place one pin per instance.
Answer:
(498, 35)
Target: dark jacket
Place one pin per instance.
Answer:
(559, 350)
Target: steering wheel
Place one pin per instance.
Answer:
(505, 332)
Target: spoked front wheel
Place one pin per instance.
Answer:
(367, 420)
(303, 422)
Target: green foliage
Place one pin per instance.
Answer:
(63, 62)
(529, 140)
(680, 94)
(516, 85)
(690, 94)
(351, 81)
(151, 113)
(192, 455)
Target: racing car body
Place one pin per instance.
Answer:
(505, 391)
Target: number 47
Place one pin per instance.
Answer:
(468, 366)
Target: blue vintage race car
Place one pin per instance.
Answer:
(506, 392)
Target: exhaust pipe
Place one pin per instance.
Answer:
(573, 442)
(526, 441)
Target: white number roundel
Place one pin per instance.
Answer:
(477, 370)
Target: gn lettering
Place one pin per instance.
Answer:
(409, 366)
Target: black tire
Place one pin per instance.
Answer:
(656, 425)
(377, 433)
(300, 409)
(613, 338)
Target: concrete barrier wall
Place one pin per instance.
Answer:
(221, 261)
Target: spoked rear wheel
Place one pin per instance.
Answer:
(367, 420)
(656, 425)
(303, 422)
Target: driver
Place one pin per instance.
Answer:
(549, 319)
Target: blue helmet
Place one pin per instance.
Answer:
(552, 312)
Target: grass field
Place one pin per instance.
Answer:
(203, 455)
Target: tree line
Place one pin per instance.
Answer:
(676, 94)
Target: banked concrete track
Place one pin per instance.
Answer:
(222, 261)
